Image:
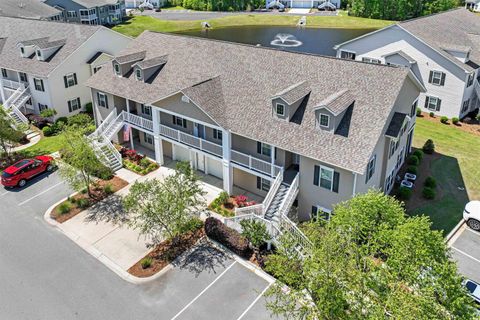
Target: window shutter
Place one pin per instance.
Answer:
(173, 119)
(430, 78)
(336, 180)
(259, 183)
(426, 102)
(65, 81)
(106, 101)
(184, 123)
(439, 102)
(275, 154)
(41, 84)
(69, 106)
(259, 147)
(316, 175)
(442, 82)
(75, 78)
(78, 103)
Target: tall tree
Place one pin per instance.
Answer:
(161, 209)
(10, 133)
(370, 261)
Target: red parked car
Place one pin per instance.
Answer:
(18, 173)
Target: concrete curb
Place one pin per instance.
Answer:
(454, 231)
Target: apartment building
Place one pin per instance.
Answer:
(313, 129)
(45, 64)
(92, 12)
(32, 9)
(442, 50)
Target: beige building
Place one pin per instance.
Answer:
(310, 132)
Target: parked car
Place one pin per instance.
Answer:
(474, 289)
(471, 214)
(20, 172)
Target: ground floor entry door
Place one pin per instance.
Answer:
(200, 162)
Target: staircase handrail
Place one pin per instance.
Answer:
(105, 123)
(13, 96)
(273, 191)
(234, 223)
(286, 224)
(290, 196)
(257, 209)
(112, 148)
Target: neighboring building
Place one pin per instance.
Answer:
(45, 64)
(473, 5)
(130, 4)
(92, 12)
(318, 129)
(32, 9)
(321, 4)
(442, 50)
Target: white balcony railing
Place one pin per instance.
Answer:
(105, 123)
(137, 121)
(256, 209)
(191, 140)
(10, 84)
(255, 164)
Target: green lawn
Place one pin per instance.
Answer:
(138, 24)
(46, 145)
(459, 166)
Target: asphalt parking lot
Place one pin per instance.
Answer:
(466, 251)
(44, 275)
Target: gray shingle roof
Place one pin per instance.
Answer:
(94, 3)
(130, 57)
(153, 62)
(243, 80)
(34, 9)
(17, 30)
(294, 93)
(449, 31)
(338, 101)
(395, 124)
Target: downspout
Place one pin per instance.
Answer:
(354, 191)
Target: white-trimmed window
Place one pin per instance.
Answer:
(280, 109)
(71, 14)
(432, 103)
(179, 121)
(319, 212)
(413, 110)
(347, 55)
(324, 120)
(326, 178)
(102, 99)
(217, 134)
(116, 68)
(263, 148)
(371, 60)
(4, 73)
(437, 78)
(138, 74)
(147, 138)
(70, 80)
(42, 107)
(371, 168)
(263, 184)
(146, 110)
(23, 76)
(74, 105)
(389, 181)
(465, 105)
(471, 78)
(393, 147)
(38, 84)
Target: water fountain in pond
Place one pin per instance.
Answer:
(285, 40)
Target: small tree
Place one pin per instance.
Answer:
(161, 209)
(80, 161)
(48, 113)
(256, 232)
(9, 133)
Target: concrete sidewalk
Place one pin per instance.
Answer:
(102, 230)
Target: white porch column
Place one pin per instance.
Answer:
(354, 191)
(272, 169)
(130, 129)
(174, 157)
(193, 159)
(227, 166)
(156, 136)
(1, 91)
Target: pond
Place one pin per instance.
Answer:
(308, 40)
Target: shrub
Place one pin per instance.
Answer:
(64, 207)
(104, 173)
(404, 193)
(413, 160)
(432, 114)
(146, 262)
(444, 119)
(192, 225)
(478, 117)
(81, 120)
(145, 162)
(430, 183)
(255, 231)
(429, 147)
(455, 120)
(230, 238)
(412, 170)
(48, 113)
(83, 203)
(71, 199)
(108, 188)
(62, 119)
(419, 112)
(419, 154)
(47, 131)
(428, 193)
(223, 197)
(84, 190)
(89, 108)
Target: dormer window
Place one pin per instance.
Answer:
(39, 54)
(324, 120)
(22, 50)
(116, 67)
(280, 109)
(138, 74)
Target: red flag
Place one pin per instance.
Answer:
(126, 132)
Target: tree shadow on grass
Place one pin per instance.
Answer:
(203, 258)
(108, 210)
(445, 211)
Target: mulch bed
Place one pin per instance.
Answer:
(98, 195)
(165, 253)
(471, 126)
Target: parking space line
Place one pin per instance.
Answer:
(254, 301)
(1, 195)
(474, 232)
(39, 194)
(466, 254)
(203, 291)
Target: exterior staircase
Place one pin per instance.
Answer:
(272, 211)
(16, 101)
